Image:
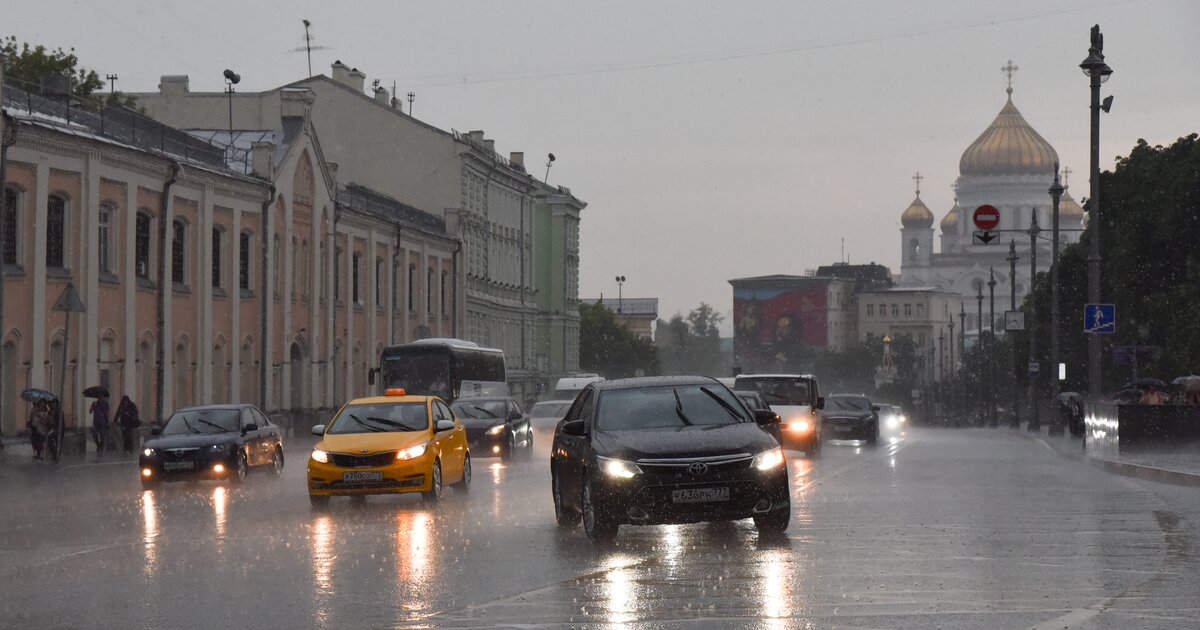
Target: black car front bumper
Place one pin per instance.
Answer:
(851, 429)
(179, 464)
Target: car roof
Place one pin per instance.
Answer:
(847, 395)
(775, 376)
(482, 398)
(653, 381)
(217, 407)
(552, 402)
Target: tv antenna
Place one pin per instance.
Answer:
(308, 45)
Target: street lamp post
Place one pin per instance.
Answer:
(992, 421)
(979, 346)
(962, 352)
(1035, 425)
(231, 79)
(953, 393)
(1015, 422)
(620, 297)
(1098, 72)
(1056, 193)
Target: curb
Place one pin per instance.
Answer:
(1127, 469)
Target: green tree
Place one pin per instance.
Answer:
(26, 65)
(692, 344)
(609, 349)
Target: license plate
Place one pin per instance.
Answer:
(700, 495)
(842, 429)
(368, 475)
(179, 465)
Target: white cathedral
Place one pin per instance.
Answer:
(1009, 166)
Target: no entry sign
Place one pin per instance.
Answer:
(986, 217)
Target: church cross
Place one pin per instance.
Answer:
(917, 178)
(1008, 69)
(1066, 176)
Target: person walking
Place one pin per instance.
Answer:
(126, 418)
(39, 425)
(99, 410)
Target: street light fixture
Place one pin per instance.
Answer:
(1035, 424)
(1056, 193)
(1098, 72)
(231, 79)
(620, 297)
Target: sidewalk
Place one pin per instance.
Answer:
(1178, 466)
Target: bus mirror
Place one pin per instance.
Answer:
(820, 403)
(371, 375)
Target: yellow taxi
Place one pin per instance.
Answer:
(389, 444)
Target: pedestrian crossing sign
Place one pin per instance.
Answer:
(1100, 318)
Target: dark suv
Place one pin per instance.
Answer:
(666, 450)
(851, 417)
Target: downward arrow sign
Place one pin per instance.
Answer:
(985, 237)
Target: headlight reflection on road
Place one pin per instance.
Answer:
(414, 558)
(220, 496)
(149, 533)
(775, 572)
(320, 541)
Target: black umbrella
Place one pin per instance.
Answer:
(34, 395)
(96, 391)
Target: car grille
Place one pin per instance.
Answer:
(363, 485)
(374, 460)
(681, 467)
(181, 454)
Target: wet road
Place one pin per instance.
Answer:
(954, 529)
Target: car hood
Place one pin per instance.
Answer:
(193, 440)
(727, 439)
(365, 443)
(790, 413)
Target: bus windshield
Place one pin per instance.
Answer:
(419, 373)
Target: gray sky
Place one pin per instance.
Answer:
(711, 140)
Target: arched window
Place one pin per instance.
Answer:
(178, 251)
(141, 248)
(103, 240)
(244, 261)
(914, 249)
(443, 292)
(355, 261)
(412, 281)
(9, 226)
(56, 231)
(218, 236)
(303, 271)
(295, 275)
(379, 283)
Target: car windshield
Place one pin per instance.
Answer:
(480, 409)
(193, 421)
(664, 407)
(549, 409)
(381, 418)
(779, 390)
(847, 403)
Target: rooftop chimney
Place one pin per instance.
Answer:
(341, 72)
(490, 145)
(173, 84)
(382, 96)
(262, 158)
(517, 159)
(357, 79)
(295, 103)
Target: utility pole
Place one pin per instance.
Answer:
(953, 371)
(979, 346)
(412, 96)
(1035, 425)
(112, 83)
(1098, 72)
(1012, 349)
(992, 421)
(1056, 193)
(962, 353)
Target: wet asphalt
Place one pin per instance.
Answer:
(936, 528)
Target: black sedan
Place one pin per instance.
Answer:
(213, 442)
(666, 450)
(495, 426)
(851, 417)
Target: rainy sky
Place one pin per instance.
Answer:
(712, 140)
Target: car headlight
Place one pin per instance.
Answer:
(320, 456)
(800, 426)
(148, 452)
(893, 422)
(619, 468)
(412, 452)
(767, 460)
(496, 430)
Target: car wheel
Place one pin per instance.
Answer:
(772, 522)
(596, 524)
(464, 485)
(434, 494)
(565, 516)
(318, 500)
(510, 445)
(240, 469)
(277, 461)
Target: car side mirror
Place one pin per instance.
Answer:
(445, 425)
(765, 417)
(516, 415)
(820, 403)
(576, 428)
(249, 427)
(318, 430)
(875, 408)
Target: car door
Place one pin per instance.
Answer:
(570, 451)
(250, 439)
(520, 422)
(452, 444)
(269, 436)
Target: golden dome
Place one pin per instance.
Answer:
(917, 215)
(950, 221)
(1009, 146)
(1069, 209)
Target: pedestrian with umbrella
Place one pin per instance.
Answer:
(40, 422)
(99, 411)
(127, 419)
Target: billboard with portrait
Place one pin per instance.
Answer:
(779, 328)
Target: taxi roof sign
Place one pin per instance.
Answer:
(395, 391)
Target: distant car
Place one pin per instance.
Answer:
(851, 417)
(891, 418)
(549, 412)
(390, 444)
(495, 426)
(212, 442)
(796, 398)
(655, 450)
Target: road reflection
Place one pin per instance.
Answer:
(219, 497)
(149, 534)
(320, 540)
(414, 557)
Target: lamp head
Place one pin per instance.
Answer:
(232, 77)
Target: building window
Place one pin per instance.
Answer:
(443, 292)
(141, 246)
(104, 221)
(303, 273)
(870, 310)
(216, 257)
(378, 283)
(908, 310)
(920, 310)
(295, 275)
(11, 200)
(56, 231)
(356, 262)
(244, 261)
(395, 287)
(412, 281)
(895, 310)
(429, 290)
(178, 240)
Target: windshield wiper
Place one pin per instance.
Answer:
(393, 423)
(489, 413)
(189, 426)
(679, 409)
(724, 405)
(365, 425)
(215, 426)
